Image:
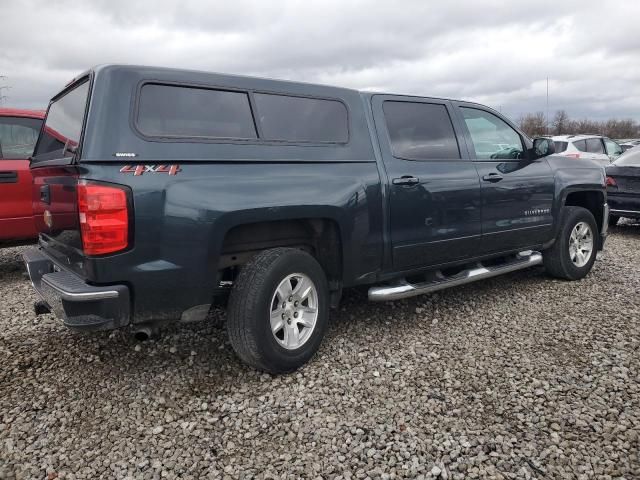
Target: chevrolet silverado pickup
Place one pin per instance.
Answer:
(166, 191)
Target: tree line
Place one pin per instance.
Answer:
(535, 125)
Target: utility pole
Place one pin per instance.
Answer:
(546, 123)
(3, 87)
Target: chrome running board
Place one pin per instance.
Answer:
(404, 289)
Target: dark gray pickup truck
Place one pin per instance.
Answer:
(159, 193)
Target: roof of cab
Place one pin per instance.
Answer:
(16, 112)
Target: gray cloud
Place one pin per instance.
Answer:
(495, 52)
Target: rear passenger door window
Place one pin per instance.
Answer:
(178, 111)
(420, 131)
(594, 145)
(492, 137)
(580, 145)
(561, 146)
(301, 119)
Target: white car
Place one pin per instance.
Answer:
(593, 147)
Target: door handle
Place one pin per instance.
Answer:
(407, 180)
(45, 194)
(7, 176)
(492, 177)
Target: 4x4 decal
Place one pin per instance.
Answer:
(142, 169)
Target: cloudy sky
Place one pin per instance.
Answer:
(495, 52)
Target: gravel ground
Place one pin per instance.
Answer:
(517, 377)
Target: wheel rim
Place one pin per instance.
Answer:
(581, 244)
(294, 311)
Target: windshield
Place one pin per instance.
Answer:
(62, 128)
(18, 136)
(630, 158)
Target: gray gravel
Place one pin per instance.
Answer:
(518, 377)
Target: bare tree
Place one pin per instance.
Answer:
(533, 124)
(560, 123)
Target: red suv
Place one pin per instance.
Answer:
(19, 131)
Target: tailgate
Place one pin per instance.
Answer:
(55, 209)
(55, 175)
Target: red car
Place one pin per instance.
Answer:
(19, 131)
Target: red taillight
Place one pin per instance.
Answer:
(104, 218)
(572, 155)
(611, 182)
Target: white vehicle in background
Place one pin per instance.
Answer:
(593, 147)
(628, 144)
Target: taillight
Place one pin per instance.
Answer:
(104, 218)
(572, 155)
(611, 182)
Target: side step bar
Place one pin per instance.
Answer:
(404, 289)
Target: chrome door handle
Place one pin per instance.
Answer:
(492, 177)
(406, 180)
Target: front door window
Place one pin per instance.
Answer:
(493, 138)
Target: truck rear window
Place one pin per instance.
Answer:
(302, 119)
(63, 126)
(177, 111)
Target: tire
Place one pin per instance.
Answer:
(257, 297)
(558, 260)
(613, 220)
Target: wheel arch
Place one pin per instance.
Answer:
(593, 200)
(321, 235)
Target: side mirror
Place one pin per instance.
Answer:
(543, 147)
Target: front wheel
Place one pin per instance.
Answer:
(278, 310)
(572, 255)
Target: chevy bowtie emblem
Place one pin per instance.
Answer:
(48, 218)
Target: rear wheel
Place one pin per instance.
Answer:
(572, 255)
(278, 310)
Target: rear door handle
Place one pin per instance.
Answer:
(492, 177)
(406, 180)
(9, 176)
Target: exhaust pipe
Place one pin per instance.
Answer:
(142, 334)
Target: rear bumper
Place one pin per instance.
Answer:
(79, 305)
(624, 205)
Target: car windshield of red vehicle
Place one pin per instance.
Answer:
(18, 136)
(63, 125)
